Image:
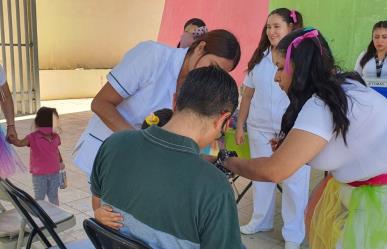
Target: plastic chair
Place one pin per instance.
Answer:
(29, 208)
(103, 237)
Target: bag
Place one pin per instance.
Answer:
(62, 179)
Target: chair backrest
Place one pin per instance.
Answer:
(29, 208)
(103, 237)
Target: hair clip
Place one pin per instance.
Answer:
(199, 32)
(293, 15)
(152, 119)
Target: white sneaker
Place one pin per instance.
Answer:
(291, 245)
(252, 228)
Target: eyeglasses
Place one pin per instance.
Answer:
(224, 126)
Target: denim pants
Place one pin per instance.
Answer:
(46, 185)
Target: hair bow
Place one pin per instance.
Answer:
(293, 16)
(296, 42)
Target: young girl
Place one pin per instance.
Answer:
(45, 158)
(263, 104)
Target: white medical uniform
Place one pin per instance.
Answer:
(146, 79)
(369, 69)
(267, 107)
(365, 155)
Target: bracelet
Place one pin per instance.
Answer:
(10, 125)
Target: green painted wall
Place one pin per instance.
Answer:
(346, 24)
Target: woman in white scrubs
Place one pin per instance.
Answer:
(145, 81)
(373, 63)
(263, 104)
(334, 122)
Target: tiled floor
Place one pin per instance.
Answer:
(76, 198)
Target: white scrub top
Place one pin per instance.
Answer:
(146, 79)
(365, 155)
(369, 69)
(269, 102)
(3, 78)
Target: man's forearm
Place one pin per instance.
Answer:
(95, 202)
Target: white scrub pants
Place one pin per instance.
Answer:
(294, 195)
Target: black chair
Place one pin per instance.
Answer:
(29, 208)
(104, 238)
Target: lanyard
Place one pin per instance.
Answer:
(379, 66)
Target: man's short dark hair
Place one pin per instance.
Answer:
(208, 91)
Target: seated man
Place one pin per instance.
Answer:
(169, 197)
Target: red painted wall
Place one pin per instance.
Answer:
(244, 18)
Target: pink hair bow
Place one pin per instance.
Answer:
(296, 42)
(293, 16)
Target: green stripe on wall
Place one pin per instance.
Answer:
(346, 24)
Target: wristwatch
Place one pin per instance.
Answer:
(222, 157)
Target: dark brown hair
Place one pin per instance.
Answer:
(264, 43)
(44, 116)
(371, 50)
(221, 43)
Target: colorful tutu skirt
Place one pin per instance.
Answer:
(348, 217)
(10, 162)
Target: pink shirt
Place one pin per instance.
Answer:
(44, 152)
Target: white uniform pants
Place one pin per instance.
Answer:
(294, 195)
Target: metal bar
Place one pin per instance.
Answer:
(10, 32)
(28, 59)
(244, 192)
(7, 44)
(20, 54)
(35, 54)
(2, 34)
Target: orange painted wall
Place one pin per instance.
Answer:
(244, 20)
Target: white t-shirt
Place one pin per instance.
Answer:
(369, 69)
(146, 79)
(366, 153)
(3, 78)
(269, 102)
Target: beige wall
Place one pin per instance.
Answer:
(93, 33)
(89, 34)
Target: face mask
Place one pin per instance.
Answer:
(186, 40)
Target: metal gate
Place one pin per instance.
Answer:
(19, 53)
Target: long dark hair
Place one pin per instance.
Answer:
(315, 72)
(221, 43)
(371, 50)
(264, 43)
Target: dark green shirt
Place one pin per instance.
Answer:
(170, 196)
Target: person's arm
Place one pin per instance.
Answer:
(243, 113)
(8, 110)
(105, 105)
(105, 215)
(20, 142)
(298, 148)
